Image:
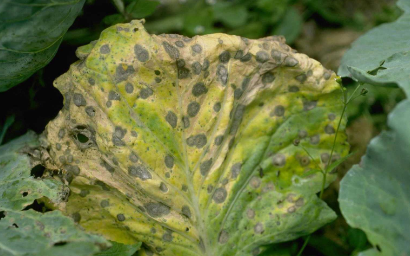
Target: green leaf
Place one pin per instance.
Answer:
(230, 14)
(356, 238)
(394, 71)
(141, 8)
(199, 23)
(30, 34)
(118, 249)
(114, 19)
(186, 144)
(49, 234)
(277, 8)
(385, 45)
(370, 252)
(290, 25)
(375, 195)
(7, 123)
(17, 188)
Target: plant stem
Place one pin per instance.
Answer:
(304, 245)
(346, 101)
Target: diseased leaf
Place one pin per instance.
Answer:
(186, 144)
(30, 34)
(49, 234)
(17, 187)
(118, 249)
(375, 195)
(379, 45)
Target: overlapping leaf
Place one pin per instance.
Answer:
(375, 196)
(380, 56)
(51, 233)
(30, 33)
(17, 187)
(186, 144)
(30, 232)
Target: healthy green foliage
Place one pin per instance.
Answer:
(380, 56)
(136, 9)
(30, 33)
(290, 25)
(17, 188)
(251, 19)
(392, 72)
(375, 195)
(187, 144)
(141, 8)
(49, 234)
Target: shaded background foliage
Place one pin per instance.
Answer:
(321, 29)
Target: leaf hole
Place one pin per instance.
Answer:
(37, 171)
(15, 225)
(25, 194)
(82, 138)
(60, 243)
(38, 207)
(81, 127)
(2, 214)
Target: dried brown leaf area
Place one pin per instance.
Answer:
(186, 144)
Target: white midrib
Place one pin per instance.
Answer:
(195, 204)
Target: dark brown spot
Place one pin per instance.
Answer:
(235, 170)
(220, 195)
(329, 129)
(79, 100)
(223, 237)
(193, 108)
(163, 187)
(157, 209)
(172, 119)
(290, 62)
(169, 161)
(146, 92)
(268, 78)
(105, 49)
(199, 89)
(186, 211)
(196, 48)
(217, 107)
(141, 53)
(218, 140)
(172, 51)
(140, 172)
(224, 57)
(120, 217)
(205, 167)
(262, 57)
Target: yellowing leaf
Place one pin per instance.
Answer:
(186, 144)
